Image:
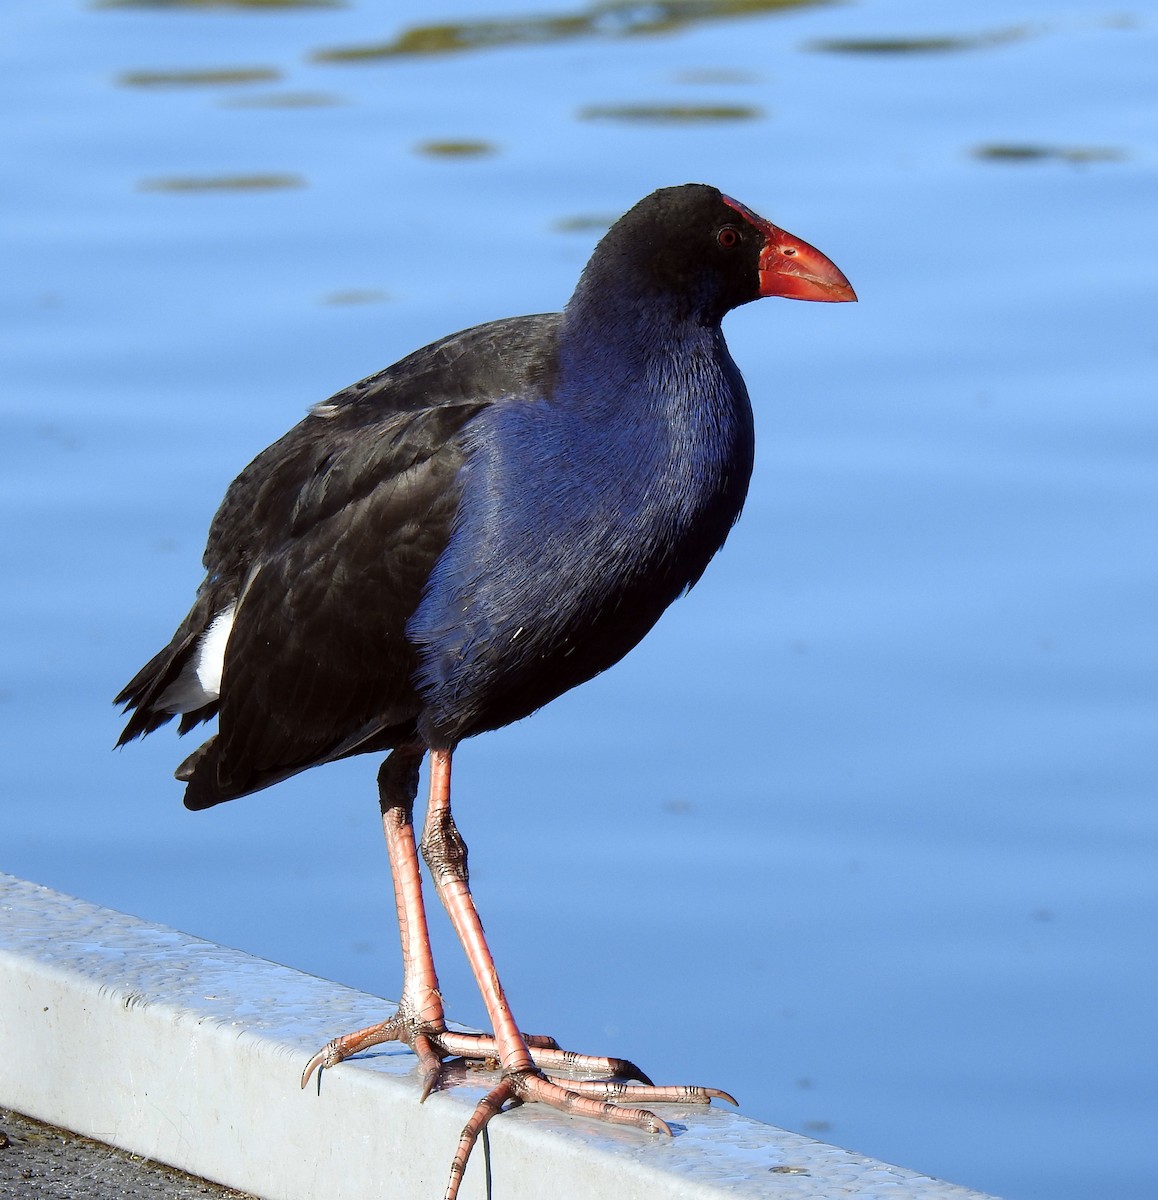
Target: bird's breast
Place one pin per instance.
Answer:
(575, 530)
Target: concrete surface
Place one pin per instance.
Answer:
(188, 1053)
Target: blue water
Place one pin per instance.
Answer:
(866, 830)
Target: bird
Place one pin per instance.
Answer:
(448, 545)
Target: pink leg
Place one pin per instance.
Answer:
(445, 854)
(420, 1022)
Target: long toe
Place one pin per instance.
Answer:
(601, 1099)
(432, 1042)
(639, 1093)
(519, 1087)
(546, 1053)
(340, 1048)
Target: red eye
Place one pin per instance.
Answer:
(728, 237)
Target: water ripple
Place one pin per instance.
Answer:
(617, 18)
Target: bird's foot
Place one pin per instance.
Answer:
(604, 1099)
(596, 1098)
(432, 1042)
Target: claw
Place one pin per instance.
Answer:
(325, 1057)
(576, 1098)
(490, 1105)
(394, 1029)
(431, 1063)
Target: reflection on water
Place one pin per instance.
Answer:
(1024, 153)
(285, 100)
(209, 77)
(620, 18)
(669, 114)
(456, 148)
(222, 183)
(716, 75)
(249, 5)
(357, 296)
(589, 224)
(920, 45)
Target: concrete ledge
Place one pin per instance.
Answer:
(189, 1053)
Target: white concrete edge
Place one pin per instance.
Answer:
(189, 1053)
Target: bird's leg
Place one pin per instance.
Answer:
(420, 1013)
(420, 1021)
(522, 1078)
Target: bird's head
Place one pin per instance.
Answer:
(708, 254)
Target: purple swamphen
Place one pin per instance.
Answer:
(447, 545)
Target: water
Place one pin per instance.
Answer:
(865, 831)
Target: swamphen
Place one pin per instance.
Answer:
(452, 543)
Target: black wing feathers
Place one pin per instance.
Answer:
(325, 542)
(318, 652)
(142, 692)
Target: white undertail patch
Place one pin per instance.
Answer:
(211, 652)
(200, 682)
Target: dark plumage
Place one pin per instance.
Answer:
(447, 545)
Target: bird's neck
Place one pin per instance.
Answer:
(658, 394)
(621, 351)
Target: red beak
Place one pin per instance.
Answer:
(792, 268)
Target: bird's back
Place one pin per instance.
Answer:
(321, 549)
